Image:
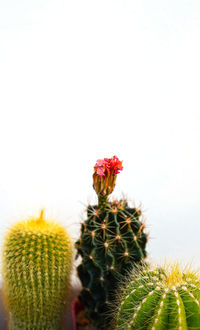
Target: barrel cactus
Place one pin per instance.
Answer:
(112, 241)
(166, 298)
(37, 261)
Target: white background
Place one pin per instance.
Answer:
(82, 80)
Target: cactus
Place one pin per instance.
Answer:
(165, 298)
(112, 241)
(37, 261)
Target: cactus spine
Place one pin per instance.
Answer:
(160, 299)
(37, 261)
(112, 241)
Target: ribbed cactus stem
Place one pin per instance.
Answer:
(112, 242)
(102, 201)
(160, 299)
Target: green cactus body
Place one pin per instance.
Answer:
(112, 241)
(37, 261)
(160, 299)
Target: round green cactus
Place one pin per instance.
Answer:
(160, 299)
(37, 262)
(112, 241)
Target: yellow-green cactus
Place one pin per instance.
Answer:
(166, 298)
(37, 262)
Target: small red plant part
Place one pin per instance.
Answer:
(105, 174)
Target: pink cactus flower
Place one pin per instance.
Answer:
(105, 173)
(100, 167)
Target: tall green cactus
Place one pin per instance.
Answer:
(37, 262)
(112, 241)
(160, 299)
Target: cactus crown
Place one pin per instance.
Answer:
(37, 262)
(37, 225)
(159, 299)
